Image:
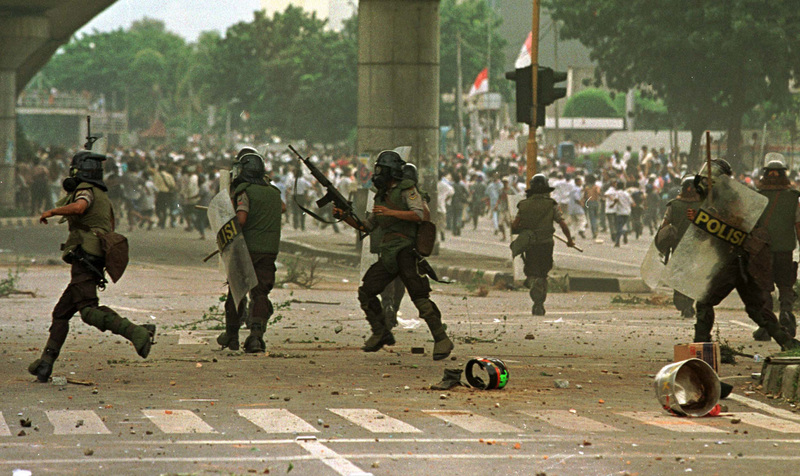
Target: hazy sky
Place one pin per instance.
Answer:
(185, 17)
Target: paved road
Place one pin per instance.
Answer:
(190, 408)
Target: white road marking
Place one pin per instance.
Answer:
(76, 422)
(746, 325)
(4, 431)
(277, 420)
(332, 459)
(671, 423)
(767, 422)
(374, 421)
(472, 422)
(178, 421)
(779, 412)
(569, 421)
(195, 337)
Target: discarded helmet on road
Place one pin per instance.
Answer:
(495, 369)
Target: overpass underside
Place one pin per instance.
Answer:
(30, 32)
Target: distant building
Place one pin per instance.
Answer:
(335, 11)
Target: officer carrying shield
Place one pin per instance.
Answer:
(782, 221)
(399, 208)
(673, 226)
(88, 212)
(258, 211)
(534, 224)
(748, 272)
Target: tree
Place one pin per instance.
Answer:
(590, 103)
(125, 66)
(291, 75)
(474, 20)
(707, 60)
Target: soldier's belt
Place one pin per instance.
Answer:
(714, 226)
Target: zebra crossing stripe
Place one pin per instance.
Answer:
(4, 431)
(277, 420)
(374, 421)
(569, 421)
(778, 412)
(671, 423)
(76, 422)
(767, 422)
(332, 459)
(472, 422)
(178, 421)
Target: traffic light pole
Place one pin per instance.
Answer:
(533, 148)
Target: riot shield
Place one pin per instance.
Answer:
(720, 226)
(233, 252)
(518, 264)
(653, 267)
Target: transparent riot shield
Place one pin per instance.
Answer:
(653, 267)
(233, 252)
(518, 264)
(711, 242)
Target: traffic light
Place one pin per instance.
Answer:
(546, 94)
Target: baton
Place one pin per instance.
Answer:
(210, 256)
(565, 241)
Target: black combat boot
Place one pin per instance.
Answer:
(538, 293)
(254, 343)
(230, 338)
(106, 319)
(788, 321)
(451, 378)
(42, 367)
(442, 345)
(761, 334)
(381, 335)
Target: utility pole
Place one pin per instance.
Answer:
(555, 67)
(459, 97)
(533, 148)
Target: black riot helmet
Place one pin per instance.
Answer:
(86, 166)
(245, 150)
(719, 167)
(388, 166)
(410, 172)
(249, 168)
(539, 184)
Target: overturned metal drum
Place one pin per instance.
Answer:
(687, 388)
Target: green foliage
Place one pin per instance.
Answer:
(292, 76)
(709, 61)
(590, 103)
(650, 113)
(472, 19)
(8, 286)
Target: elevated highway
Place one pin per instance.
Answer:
(30, 32)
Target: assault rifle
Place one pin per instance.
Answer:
(90, 139)
(332, 195)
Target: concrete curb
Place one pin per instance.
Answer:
(779, 377)
(480, 276)
(18, 222)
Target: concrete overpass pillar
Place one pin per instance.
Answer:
(19, 38)
(398, 81)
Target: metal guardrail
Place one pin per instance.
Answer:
(61, 101)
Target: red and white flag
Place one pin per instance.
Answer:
(524, 58)
(481, 84)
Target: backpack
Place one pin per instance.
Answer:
(115, 248)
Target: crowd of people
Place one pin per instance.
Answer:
(618, 195)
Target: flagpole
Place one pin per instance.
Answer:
(533, 148)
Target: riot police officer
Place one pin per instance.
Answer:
(749, 273)
(781, 219)
(534, 224)
(399, 208)
(258, 207)
(673, 226)
(89, 214)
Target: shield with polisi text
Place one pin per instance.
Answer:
(719, 229)
(232, 248)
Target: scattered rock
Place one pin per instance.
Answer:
(559, 383)
(88, 452)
